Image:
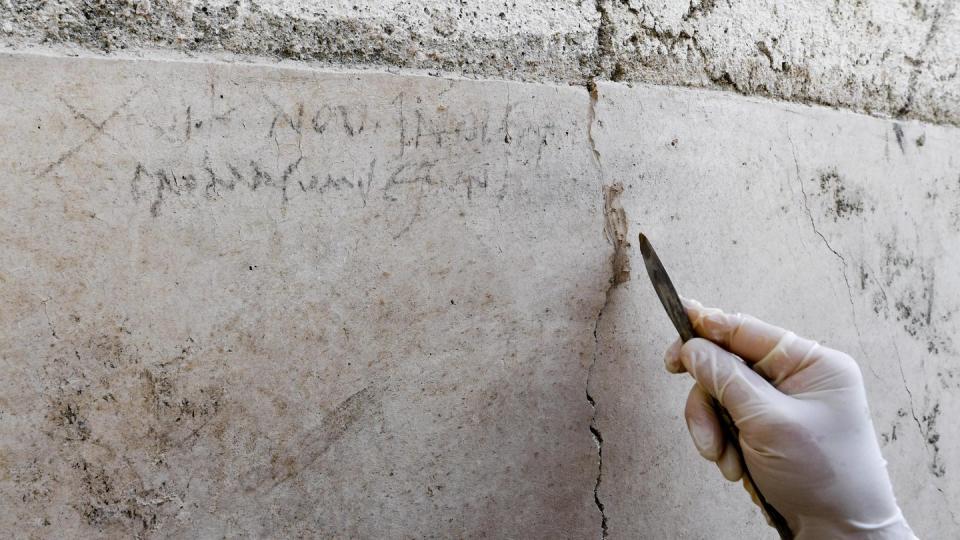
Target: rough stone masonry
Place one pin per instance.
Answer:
(247, 290)
(898, 58)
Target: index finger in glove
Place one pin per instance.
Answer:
(772, 351)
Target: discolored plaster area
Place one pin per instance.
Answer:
(892, 59)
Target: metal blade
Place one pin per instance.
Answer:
(665, 290)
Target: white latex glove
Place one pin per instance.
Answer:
(805, 427)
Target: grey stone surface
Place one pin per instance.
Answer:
(248, 300)
(896, 59)
(529, 38)
(889, 58)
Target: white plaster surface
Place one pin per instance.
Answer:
(841, 227)
(245, 301)
(256, 301)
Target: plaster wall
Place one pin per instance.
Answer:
(265, 300)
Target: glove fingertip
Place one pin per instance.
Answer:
(671, 359)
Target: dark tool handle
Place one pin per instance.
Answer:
(733, 437)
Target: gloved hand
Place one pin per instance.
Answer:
(805, 428)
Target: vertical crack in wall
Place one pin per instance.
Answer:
(910, 399)
(841, 258)
(595, 432)
(614, 218)
(896, 349)
(903, 377)
(597, 440)
(594, 94)
(615, 228)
